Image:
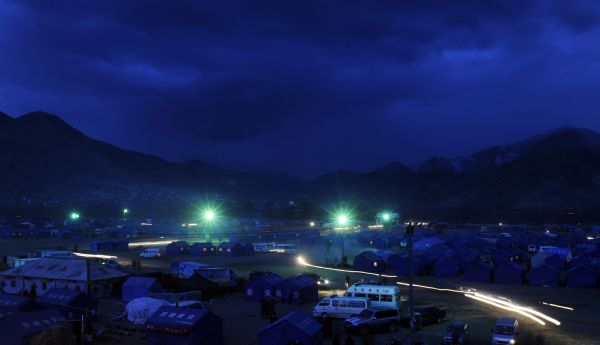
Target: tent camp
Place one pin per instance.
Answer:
(445, 267)
(19, 328)
(70, 303)
(478, 271)
(68, 273)
(232, 249)
(140, 309)
(294, 328)
(177, 248)
(544, 275)
(135, 287)
(368, 261)
(109, 246)
(298, 289)
(400, 264)
(262, 287)
(203, 249)
(509, 273)
(184, 326)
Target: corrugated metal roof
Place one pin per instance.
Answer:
(12, 300)
(63, 269)
(58, 296)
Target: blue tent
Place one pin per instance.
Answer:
(177, 248)
(203, 249)
(400, 264)
(509, 273)
(445, 267)
(109, 246)
(232, 249)
(184, 326)
(556, 261)
(368, 261)
(426, 243)
(262, 287)
(299, 289)
(19, 328)
(135, 287)
(70, 303)
(294, 327)
(478, 271)
(544, 275)
(582, 277)
(500, 257)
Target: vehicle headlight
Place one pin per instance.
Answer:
(512, 341)
(326, 281)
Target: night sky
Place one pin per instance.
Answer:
(304, 87)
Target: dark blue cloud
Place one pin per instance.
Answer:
(303, 87)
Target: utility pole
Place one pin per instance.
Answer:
(410, 230)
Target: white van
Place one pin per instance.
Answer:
(340, 307)
(284, 249)
(378, 295)
(506, 331)
(150, 253)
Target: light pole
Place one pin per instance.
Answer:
(410, 230)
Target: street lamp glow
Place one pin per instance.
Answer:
(125, 211)
(386, 216)
(342, 219)
(209, 215)
(74, 215)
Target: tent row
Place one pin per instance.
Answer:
(208, 249)
(295, 289)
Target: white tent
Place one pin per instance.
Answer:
(140, 309)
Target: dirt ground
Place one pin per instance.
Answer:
(242, 318)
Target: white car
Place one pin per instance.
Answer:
(150, 253)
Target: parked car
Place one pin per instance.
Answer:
(458, 332)
(322, 283)
(150, 253)
(506, 331)
(340, 306)
(426, 315)
(374, 318)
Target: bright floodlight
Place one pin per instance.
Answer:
(342, 219)
(74, 216)
(386, 216)
(209, 215)
(125, 211)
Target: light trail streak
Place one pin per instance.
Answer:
(501, 306)
(303, 262)
(517, 307)
(499, 301)
(96, 256)
(149, 243)
(558, 306)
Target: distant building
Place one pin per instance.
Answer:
(68, 273)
